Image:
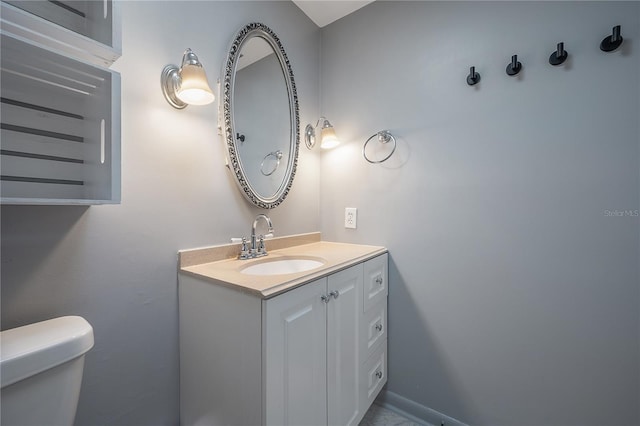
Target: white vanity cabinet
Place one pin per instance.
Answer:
(313, 355)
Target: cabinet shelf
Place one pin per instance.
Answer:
(60, 127)
(88, 30)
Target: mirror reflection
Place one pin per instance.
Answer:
(261, 117)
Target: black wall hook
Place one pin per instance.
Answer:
(240, 137)
(473, 77)
(559, 56)
(612, 42)
(514, 67)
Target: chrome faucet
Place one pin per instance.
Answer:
(256, 247)
(260, 248)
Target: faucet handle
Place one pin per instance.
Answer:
(242, 241)
(244, 249)
(262, 250)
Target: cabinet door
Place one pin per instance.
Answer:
(344, 314)
(295, 357)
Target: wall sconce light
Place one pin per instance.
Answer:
(186, 85)
(328, 138)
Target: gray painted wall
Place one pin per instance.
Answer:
(116, 265)
(514, 297)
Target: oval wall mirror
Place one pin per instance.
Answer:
(260, 109)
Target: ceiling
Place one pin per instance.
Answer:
(324, 12)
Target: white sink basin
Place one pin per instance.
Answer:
(280, 266)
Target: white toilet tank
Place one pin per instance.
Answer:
(41, 371)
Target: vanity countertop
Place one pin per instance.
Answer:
(336, 256)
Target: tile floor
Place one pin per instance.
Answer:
(380, 416)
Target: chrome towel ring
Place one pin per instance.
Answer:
(384, 137)
(275, 154)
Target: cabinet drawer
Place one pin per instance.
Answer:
(60, 128)
(374, 374)
(375, 281)
(374, 329)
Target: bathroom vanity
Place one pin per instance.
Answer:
(273, 346)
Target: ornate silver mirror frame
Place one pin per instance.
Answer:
(248, 32)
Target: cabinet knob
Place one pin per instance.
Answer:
(325, 298)
(379, 374)
(379, 327)
(379, 280)
(334, 294)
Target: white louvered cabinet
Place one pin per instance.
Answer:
(59, 115)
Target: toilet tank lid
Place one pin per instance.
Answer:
(33, 348)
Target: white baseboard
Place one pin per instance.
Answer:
(413, 411)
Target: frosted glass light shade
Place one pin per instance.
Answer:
(194, 88)
(328, 138)
(186, 85)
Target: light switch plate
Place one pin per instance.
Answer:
(351, 217)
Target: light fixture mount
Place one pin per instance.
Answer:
(310, 136)
(169, 81)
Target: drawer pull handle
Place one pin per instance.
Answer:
(379, 280)
(334, 294)
(379, 327)
(379, 374)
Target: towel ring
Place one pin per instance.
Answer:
(384, 136)
(275, 154)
